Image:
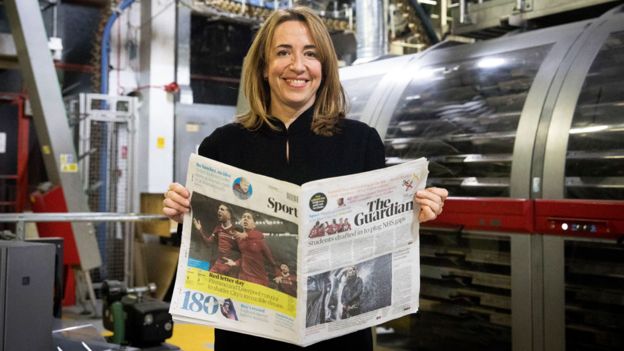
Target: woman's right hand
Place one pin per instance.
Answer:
(176, 202)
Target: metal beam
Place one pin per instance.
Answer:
(183, 54)
(157, 61)
(50, 118)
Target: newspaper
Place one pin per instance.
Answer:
(299, 264)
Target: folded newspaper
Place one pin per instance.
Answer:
(299, 264)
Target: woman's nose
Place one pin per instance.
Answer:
(297, 63)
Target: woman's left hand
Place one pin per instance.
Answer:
(431, 202)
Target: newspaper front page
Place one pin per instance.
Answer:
(298, 264)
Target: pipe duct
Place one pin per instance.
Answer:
(371, 34)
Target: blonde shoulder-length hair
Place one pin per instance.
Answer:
(330, 101)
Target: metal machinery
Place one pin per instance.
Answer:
(193, 123)
(134, 317)
(492, 18)
(26, 285)
(526, 132)
(14, 143)
(105, 134)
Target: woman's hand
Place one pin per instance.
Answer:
(431, 202)
(176, 202)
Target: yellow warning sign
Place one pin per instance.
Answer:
(67, 163)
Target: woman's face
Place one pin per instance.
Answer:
(293, 69)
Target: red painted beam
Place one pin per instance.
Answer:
(492, 214)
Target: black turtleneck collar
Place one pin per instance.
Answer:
(301, 124)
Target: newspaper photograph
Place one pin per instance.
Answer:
(298, 264)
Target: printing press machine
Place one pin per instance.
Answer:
(526, 132)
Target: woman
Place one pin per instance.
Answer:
(295, 131)
(254, 253)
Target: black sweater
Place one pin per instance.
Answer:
(355, 148)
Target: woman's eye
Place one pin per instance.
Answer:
(311, 54)
(282, 53)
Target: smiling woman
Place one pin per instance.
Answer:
(295, 131)
(291, 66)
(293, 72)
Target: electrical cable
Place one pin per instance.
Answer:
(425, 21)
(106, 43)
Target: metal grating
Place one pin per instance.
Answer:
(465, 297)
(463, 115)
(594, 292)
(107, 189)
(105, 143)
(595, 157)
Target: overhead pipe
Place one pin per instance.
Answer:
(370, 32)
(426, 22)
(106, 43)
(463, 10)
